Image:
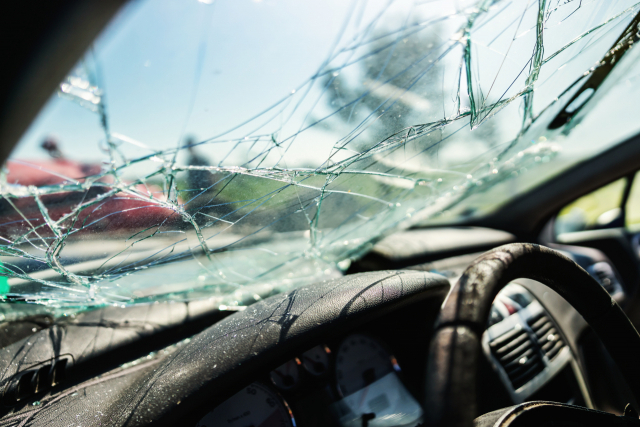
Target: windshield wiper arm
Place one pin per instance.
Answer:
(629, 36)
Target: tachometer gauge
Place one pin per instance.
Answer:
(255, 406)
(360, 361)
(316, 360)
(287, 375)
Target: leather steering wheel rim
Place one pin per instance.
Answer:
(451, 386)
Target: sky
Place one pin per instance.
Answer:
(169, 69)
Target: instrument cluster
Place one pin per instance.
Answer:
(355, 382)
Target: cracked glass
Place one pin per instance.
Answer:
(235, 149)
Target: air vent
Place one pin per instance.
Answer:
(518, 356)
(547, 335)
(604, 274)
(33, 381)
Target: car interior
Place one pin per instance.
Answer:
(524, 316)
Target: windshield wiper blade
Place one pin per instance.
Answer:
(629, 36)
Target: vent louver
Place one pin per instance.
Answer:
(518, 355)
(546, 334)
(27, 384)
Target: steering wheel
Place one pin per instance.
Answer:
(451, 386)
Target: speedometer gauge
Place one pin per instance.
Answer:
(360, 362)
(256, 406)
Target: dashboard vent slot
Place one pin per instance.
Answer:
(547, 335)
(35, 380)
(518, 356)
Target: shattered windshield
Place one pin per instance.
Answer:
(232, 149)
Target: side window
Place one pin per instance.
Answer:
(599, 209)
(632, 218)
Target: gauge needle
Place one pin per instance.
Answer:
(366, 418)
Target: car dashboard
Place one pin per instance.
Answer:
(355, 379)
(347, 352)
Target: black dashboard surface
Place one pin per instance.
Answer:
(195, 375)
